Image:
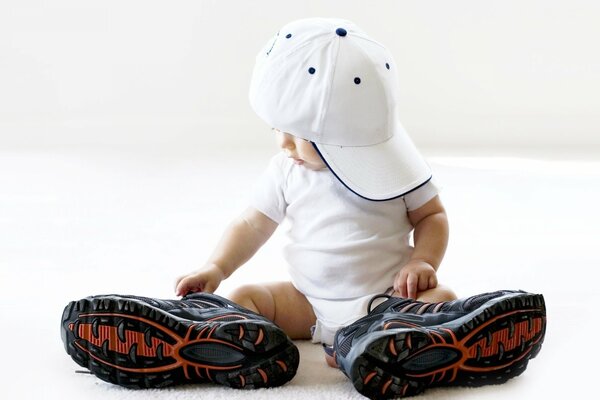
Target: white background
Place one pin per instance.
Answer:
(500, 74)
(127, 144)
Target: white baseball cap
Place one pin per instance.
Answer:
(326, 81)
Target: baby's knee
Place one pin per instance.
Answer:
(438, 294)
(254, 297)
(244, 293)
(443, 293)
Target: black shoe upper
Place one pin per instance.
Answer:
(404, 305)
(399, 312)
(200, 307)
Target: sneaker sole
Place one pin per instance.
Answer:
(130, 343)
(488, 346)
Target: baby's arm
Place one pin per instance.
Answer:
(242, 238)
(430, 239)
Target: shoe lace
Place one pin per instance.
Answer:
(408, 304)
(377, 296)
(204, 300)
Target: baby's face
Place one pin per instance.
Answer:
(300, 150)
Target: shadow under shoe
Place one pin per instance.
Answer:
(140, 342)
(404, 346)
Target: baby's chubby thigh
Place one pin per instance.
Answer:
(280, 302)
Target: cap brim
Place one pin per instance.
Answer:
(378, 172)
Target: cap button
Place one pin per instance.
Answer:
(341, 31)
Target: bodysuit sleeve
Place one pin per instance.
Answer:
(417, 198)
(268, 192)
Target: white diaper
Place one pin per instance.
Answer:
(335, 314)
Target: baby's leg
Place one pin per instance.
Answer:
(280, 302)
(436, 295)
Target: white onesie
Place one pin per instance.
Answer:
(342, 249)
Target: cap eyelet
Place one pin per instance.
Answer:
(387, 65)
(341, 32)
(311, 70)
(289, 35)
(357, 80)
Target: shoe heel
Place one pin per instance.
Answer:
(383, 369)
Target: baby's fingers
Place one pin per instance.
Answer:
(412, 283)
(423, 283)
(177, 281)
(187, 285)
(400, 285)
(433, 282)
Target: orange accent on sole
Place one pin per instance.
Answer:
(404, 389)
(393, 347)
(241, 333)
(282, 365)
(243, 380)
(369, 377)
(262, 374)
(110, 334)
(442, 376)
(499, 338)
(386, 386)
(260, 338)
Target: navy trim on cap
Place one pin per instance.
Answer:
(358, 194)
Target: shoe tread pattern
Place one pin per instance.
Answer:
(489, 346)
(128, 342)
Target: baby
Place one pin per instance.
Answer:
(352, 189)
(349, 181)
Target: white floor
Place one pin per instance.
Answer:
(75, 223)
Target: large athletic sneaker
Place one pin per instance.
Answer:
(404, 346)
(138, 342)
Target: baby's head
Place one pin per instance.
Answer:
(335, 89)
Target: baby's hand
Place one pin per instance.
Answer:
(416, 276)
(206, 280)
